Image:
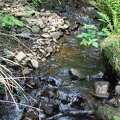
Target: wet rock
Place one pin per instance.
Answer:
(56, 35)
(75, 74)
(113, 102)
(55, 82)
(97, 76)
(20, 56)
(30, 116)
(34, 63)
(117, 89)
(51, 108)
(10, 112)
(101, 88)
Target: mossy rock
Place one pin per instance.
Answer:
(111, 50)
(107, 112)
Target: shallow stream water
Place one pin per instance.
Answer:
(58, 95)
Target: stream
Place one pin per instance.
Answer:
(60, 95)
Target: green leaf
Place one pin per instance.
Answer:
(84, 42)
(95, 44)
(116, 118)
(90, 27)
(82, 35)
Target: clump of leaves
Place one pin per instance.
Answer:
(90, 36)
(9, 20)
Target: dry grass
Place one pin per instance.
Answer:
(8, 82)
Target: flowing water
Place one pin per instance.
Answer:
(58, 95)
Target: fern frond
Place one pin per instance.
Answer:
(104, 17)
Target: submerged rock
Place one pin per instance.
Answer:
(101, 88)
(75, 74)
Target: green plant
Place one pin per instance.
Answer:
(90, 37)
(116, 118)
(109, 11)
(9, 20)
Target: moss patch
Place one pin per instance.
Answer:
(111, 50)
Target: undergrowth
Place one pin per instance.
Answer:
(109, 11)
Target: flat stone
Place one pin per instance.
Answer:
(56, 35)
(45, 30)
(20, 56)
(49, 49)
(75, 74)
(43, 60)
(35, 29)
(34, 63)
(65, 26)
(46, 35)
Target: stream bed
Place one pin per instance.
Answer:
(60, 95)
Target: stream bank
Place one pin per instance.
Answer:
(60, 95)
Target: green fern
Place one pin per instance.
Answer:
(109, 11)
(106, 20)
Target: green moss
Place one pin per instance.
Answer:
(111, 50)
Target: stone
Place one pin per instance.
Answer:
(43, 60)
(34, 63)
(49, 49)
(46, 35)
(56, 35)
(42, 51)
(60, 21)
(35, 29)
(75, 74)
(53, 28)
(20, 56)
(26, 71)
(65, 26)
(97, 76)
(117, 89)
(45, 30)
(101, 88)
(9, 53)
(41, 23)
